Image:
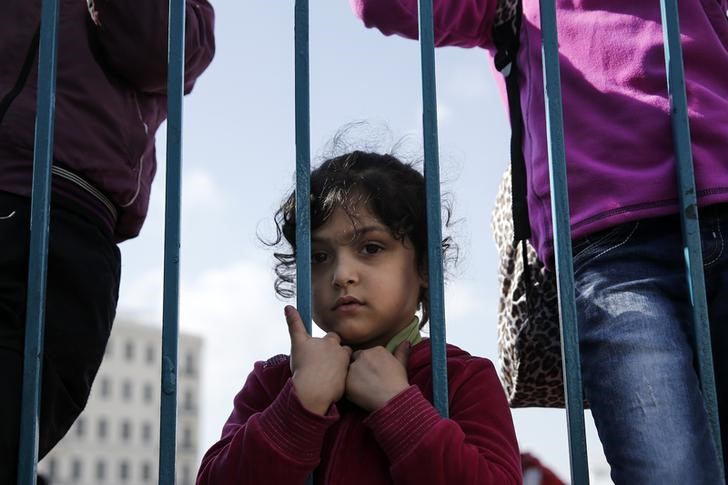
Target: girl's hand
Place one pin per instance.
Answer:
(376, 376)
(319, 365)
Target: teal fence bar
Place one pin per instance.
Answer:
(432, 194)
(40, 215)
(689, 212)
(170, 315)
(303, 165)
(689, 223)
(573, 393)
(38, 263)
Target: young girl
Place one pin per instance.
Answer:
(354, 407)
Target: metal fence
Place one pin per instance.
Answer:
(572, 377)
(40, 213)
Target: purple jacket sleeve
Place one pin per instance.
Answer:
(475, 446)
(133, 36)
(463, 23)
(269, 439)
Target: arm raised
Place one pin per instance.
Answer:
(463, 23)
(133, 37)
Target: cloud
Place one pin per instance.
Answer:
(444, 113)
(200, 191)
(235, 311)
(470, 81)
(141, 298)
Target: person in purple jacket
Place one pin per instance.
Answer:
(632, 298)
(110, 100)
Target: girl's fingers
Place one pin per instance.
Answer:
(295, 325)
(401, 353)
(334, 336)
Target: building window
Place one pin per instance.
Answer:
(103, 428)
(147, 472)
(186, 439)
(105, 387)
(126, 390)
(188, 404)
(100, 470)
(76, 469)
(125, 430)
(150, 354)
(186, 476)
(80, 427)
(52, 469)
(148, 392)
(190, 364)
(146, 432)
(129, 350)
(124, 471)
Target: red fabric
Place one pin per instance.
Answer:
(546, 476)
(270, 438)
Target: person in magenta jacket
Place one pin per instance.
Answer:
(110, 99)
(631, 292)
(355, 406)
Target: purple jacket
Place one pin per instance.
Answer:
(619, 152)
(110, 99)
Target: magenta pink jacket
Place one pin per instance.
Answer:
(271, 439)
(619, 151)
(110, 95)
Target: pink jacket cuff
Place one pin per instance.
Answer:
(293, 429)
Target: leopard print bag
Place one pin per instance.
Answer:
(529, 342)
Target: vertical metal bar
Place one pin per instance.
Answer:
(170, 317)
(564, 264)
(303, 165)
(432, 194)
(303, 168)
(39, 234)
(689, 212)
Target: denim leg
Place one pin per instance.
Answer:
(714, 232)
(637, 361)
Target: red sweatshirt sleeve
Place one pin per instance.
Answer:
(464, 23)
(476, 445)
(270, 438)
(133, 36)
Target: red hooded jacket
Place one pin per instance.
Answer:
(270, 438)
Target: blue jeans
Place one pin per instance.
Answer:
(635, 331)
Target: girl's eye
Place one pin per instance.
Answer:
(318, 257)
(371, 248)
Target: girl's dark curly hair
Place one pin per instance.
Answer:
(393, 191)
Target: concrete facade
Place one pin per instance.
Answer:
(115, 441)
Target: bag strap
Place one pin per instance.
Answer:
(506, 38)
(506, 33)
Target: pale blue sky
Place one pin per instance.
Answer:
(239, 162)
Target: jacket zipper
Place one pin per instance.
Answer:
(140, 166)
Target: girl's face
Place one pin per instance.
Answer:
(365, 283)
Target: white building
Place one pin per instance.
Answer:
(115, 441)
